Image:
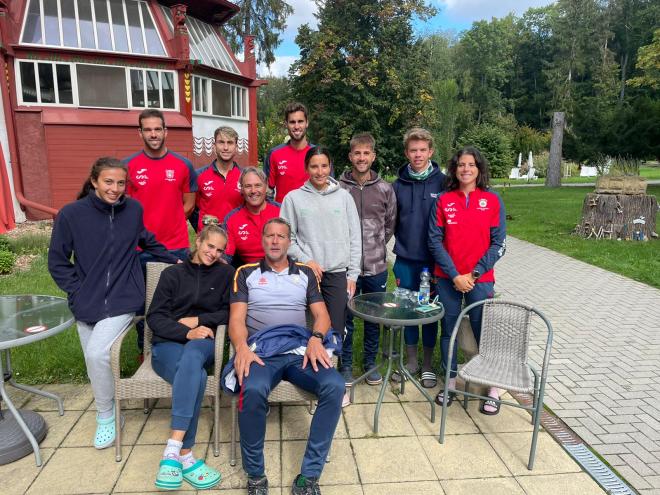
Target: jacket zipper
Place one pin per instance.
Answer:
(112, 238)
(361, 225)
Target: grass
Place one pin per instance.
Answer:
(547, 217)
(648, 172)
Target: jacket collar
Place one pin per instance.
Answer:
(101, 205)
(293, 266)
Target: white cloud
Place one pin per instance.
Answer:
(279, 68)
(476, 10)
(303, 12)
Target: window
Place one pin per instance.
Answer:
(45, 83)
(106, 25)
(100, 86)
(226, 100)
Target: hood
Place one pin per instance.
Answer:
(333, 186)
(405, 176)
(347, 178)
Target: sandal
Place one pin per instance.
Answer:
(396, 376)
(105, 432)
(490, 403)
(440, 398)
(201, 476)
(169, 475)
(429, 380)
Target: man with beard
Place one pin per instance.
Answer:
(245, 223)
(284, 165)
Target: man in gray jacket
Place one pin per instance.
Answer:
(376, 205)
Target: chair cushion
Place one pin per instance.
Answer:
(492, 372)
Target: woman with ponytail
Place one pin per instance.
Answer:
(103, 282)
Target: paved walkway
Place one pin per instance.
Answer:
(605, 377)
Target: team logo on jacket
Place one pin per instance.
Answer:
(169, 175)
(141, 176)
(281, 167)
(208, 188)
(483, 204)
(262, 280)
(243, 233)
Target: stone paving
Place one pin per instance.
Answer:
(480, 455)
(605, 370)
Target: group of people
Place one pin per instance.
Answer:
(267, 268)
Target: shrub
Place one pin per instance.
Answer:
(495, 146)
(5, 243)
(526, 139)
(7, 261)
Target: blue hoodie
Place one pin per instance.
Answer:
(415, 200)
(105, 278)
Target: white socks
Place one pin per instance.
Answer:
(173, 451)
(187, 460)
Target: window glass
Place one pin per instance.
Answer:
(85, 23)
(167, 82)
(46, 83)
(154, 46)
(32, 33)
(119, 26)
(137, 88)
(197, 94)
(51, 23)
(69, 29)
(134, 27)
(221, 97)
(153, 91)
(243, 94)
(102, 25)
(28, 82)
(64, 88)
(102, 86)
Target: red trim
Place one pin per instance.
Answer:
(240, 399)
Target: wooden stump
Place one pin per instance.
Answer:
(618, 216)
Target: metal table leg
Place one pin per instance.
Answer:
(32, 390)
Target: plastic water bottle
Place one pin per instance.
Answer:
(424, 287)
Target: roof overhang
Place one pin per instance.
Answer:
(211, 11)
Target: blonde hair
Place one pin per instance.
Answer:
(417, 134)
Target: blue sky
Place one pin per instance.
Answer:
(456, 15)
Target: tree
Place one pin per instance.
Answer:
(494, 144)
(265, 19)
(648, 63)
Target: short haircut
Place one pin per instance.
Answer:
(363, 139)
(253, 170)
(294, 107)
(417, 134)
(483, 179)
(227, 131)
(279, 221)
(148, 113)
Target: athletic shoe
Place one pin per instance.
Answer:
(373, 378)
(257, 485)
(347, 373)
(305, 486)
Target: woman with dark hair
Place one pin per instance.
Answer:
(191, 300)
(467, 235)
(104, 283)
(326, 233)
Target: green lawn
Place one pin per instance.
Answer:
(548, 216)
(648, 172)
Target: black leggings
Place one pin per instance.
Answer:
(333, 290)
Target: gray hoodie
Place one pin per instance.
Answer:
(325, 227)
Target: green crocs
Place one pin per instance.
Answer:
(169, 475)
(201, 476)
(105, 432)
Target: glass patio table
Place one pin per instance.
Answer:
(25, 319)
(394, 313)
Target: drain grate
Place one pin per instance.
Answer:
(575, 446)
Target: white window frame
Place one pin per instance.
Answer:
(96, 41)
(74, 86)
(237, 95)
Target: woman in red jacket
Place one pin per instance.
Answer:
(467, 235)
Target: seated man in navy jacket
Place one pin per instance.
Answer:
(277, 291)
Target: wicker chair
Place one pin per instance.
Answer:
(502, 361)
(146, 384)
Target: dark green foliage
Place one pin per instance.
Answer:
(495, 146)
(7, 262)
(5, 243)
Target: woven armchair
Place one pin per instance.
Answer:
(502, 361)
(146, 384)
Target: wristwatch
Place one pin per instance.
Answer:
(476, 274)
(318, 335)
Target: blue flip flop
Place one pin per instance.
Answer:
(201, 476)
(169, 475)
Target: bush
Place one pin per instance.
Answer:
(495, 146)
(526, 139)
(5, 243)
(7, 262)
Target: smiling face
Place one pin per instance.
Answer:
(210, 249)
(153, 133)
(362, 156)
(467, 172)
(418, 153)
(110, 185)
(296, 126)
(225, 148)
(318, 169)
(276, 241)
(253, 190)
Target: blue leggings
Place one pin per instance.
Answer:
(183, 367)
(327, 384)
(452, 300)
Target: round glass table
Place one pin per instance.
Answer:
(393, 313)
(25, 319)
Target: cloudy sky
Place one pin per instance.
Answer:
(452, 15)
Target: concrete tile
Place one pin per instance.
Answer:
(76, 396)
(458, 421)
(513, 449)
(412, 394)
(58, 426)
(22, 472)
(566, 484)
(418, 488)
(492, 486)
(98, 472)
(157, 427)
(334, 489)
(234, 478)
(392, 420)
(341, 470)
(82, 434)
(368, 394)
(296, 421)
(376, 463)
(272, 490)
(510, 419)
(463, 456)
(272, 423)
(19, 397)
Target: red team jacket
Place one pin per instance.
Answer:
(216, 195)
(285, 168)
(244, 232)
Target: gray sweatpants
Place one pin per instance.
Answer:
(96, 341)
